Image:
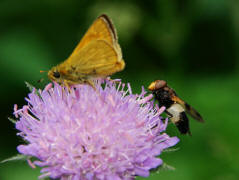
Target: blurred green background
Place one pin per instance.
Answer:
(191, 44)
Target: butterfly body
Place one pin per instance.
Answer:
(98, 55)
(176, 108)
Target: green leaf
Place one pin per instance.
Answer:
(171, 149)
(164, 166)
(12, 120)
(32, 88)
(18, 157)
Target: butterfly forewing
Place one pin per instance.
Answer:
(101, 29)
(98, 58)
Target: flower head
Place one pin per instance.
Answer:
(107, 133)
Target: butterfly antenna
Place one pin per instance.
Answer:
(40, 80)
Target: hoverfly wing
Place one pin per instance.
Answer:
(189, 109)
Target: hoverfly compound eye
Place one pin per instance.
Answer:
(156, 85)
(56, 74)
(160, 84)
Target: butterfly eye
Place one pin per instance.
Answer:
(56, 74)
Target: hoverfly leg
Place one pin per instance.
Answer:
(168, 113)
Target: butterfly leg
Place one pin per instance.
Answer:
(90, 83)
(66, 83)
(112, 80)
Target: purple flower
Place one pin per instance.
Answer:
(107, 133)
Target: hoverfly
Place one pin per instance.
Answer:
(175, 107)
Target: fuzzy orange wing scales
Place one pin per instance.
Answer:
(101, 29)
(98, 58)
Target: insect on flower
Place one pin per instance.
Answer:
(175, 107)
(97, 55)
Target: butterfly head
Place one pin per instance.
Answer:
(55, 75)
